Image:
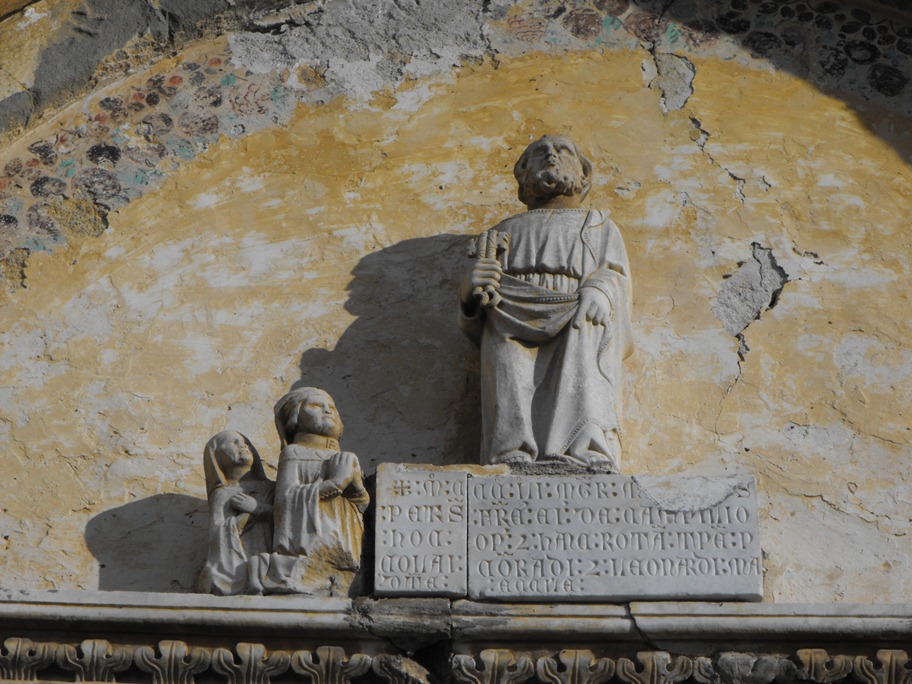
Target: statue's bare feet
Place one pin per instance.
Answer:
(592, 460)
(329, 490)
(599, 461)
(254, 588)
(513, 458)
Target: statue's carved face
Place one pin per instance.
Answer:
(550, 167)
(234, 457)
(318, 416)
(553, 164)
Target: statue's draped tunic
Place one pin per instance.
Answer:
(235, 537)
(306, 525)
(548, 389)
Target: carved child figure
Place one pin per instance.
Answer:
(240, 516)
(320, 498)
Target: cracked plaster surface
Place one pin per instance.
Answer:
(224, 229)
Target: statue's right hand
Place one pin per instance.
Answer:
(484, 277)
(328, 490)
(243, 503)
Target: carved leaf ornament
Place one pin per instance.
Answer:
(328, 665)
(175, 662)
(252, 665)
(819, 666)
(894, 668)
(94, 660)
(579, 667)
(500, 666)
(22, 658)
(658, 667)
(739, 668)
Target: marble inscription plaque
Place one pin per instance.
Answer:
(421, 531)
(611, 537)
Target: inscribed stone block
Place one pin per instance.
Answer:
(421, 531)
(611, 537)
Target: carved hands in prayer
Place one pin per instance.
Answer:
(594, 307)
(243, 503)
(329, 490)
(484, 277)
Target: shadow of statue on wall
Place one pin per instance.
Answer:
(405, 380)
(403, 376)
(154, 544)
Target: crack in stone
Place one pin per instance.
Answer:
(807, 254)
(645, 638)
(702, 136)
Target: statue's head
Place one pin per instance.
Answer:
(552, 167)
(308, 410)
(228, 458)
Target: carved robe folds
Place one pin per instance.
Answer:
(317, 540)
(550, 390)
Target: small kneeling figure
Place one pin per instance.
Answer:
(240, 516)
(320, 499)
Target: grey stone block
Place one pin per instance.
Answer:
(421, 531)
(611, 537)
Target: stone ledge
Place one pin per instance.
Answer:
(684, 627)
(473, 621)
(127, 611)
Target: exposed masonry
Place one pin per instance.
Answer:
(748, 292)
(674, 77)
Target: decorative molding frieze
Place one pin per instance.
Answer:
(819, 666)
(249, 663)
(94, 660)
(397, 669)
(21, 659)
(172, 662)
(329, 665)
(739, 668)
(176, 662)
(894, 668)
(658, 667)
(499, 666)
(574, 667)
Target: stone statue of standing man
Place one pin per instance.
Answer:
(548, 303)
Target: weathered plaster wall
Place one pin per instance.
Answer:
(288, 206)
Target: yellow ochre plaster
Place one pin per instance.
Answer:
(342, 231)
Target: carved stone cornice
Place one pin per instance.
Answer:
(183, 639)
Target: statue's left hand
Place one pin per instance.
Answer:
(594, 307)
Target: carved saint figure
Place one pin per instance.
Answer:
(548, 303)
(320, 496)
(240, 516)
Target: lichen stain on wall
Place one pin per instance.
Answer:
(326, 251)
